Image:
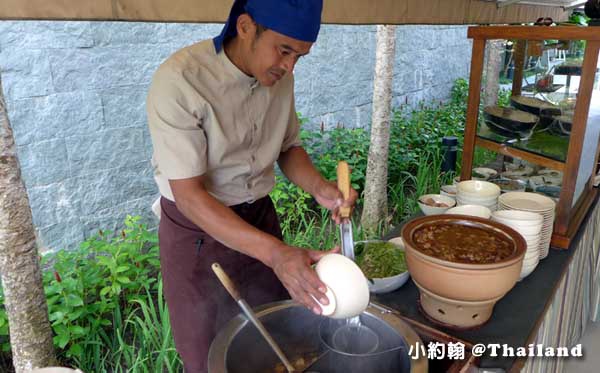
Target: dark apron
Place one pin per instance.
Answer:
(198, 304)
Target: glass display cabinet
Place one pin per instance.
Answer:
(544, 126)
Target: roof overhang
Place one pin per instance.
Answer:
(335, 11)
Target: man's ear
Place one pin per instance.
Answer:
(246, 27)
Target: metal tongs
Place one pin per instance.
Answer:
(343, 182)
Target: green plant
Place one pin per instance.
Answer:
(87, 285)
(579, 18)
(504, 97)
(291, 202)
(96, 292)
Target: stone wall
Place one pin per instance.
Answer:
(76, 93)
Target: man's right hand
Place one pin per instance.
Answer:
(292, 265)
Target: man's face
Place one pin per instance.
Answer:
(272, 55)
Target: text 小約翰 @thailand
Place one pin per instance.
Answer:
(456, 351)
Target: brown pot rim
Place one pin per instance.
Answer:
(519, 242)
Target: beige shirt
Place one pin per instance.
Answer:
(207, 117)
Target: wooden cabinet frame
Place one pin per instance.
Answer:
(568, 217)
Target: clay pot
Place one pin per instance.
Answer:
(462, 281)
(456, 313)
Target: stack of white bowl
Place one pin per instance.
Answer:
(529, 225)
(471, 210)
(532, 202)
(477, 192)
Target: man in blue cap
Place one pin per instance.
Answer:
(221, 112)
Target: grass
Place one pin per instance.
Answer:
(141, 341)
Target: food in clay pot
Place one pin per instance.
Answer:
(462, 244)
(462, 265)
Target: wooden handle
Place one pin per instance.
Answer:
(226, 281)
(343, 182)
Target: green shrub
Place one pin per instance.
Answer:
(105, 303)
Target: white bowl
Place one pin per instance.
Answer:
(348, 291)
(484, 199)
(389, 284)
(432, 210)
(448, 191)
(510, 185)
(517, 170)
(531, 256)
(487, 200)
(532, 253)
(471, 210)
(485, 172)
(531, 237)
(535, 244)
(531, 261)
(526, 271)
(477, 189)
(527, 231)
(522, 217)
(490, 205)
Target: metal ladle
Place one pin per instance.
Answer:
(228, 284)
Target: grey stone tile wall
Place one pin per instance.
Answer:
(76, 93)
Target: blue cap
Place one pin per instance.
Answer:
(297, 19)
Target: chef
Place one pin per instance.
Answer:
(221, 112)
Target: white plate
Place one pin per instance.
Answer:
(527, 201)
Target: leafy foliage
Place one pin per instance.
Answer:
(105, 303)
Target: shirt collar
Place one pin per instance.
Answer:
(232, 69)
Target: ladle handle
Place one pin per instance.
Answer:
(226, 281)
(228, 284)
(343, 182)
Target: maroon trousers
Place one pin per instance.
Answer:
(198, 304)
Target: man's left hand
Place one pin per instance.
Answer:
(329, 196)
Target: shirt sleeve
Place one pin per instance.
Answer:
(174, 110)
(292, 134)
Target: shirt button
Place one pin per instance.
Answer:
(252, 158)
(248, 185)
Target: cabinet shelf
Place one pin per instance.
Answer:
(509, 150)
(541, 148)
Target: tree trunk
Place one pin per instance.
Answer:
(375, 208)
(24, 298)
(492, 71)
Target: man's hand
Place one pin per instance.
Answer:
(329, 196)
(292, 265)
(297, 166)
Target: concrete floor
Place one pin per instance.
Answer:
(590, 343)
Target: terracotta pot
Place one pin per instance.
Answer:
(464, 281)
(455, 313)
